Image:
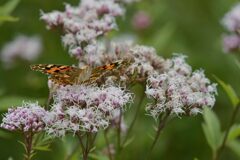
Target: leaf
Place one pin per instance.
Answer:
(237, 63)
(42, 148)
(24, 146)
(163, 36)
(7, 8)
(98, 156)
(42, 142)
(8, 18)
(212, 130)
(234, 132)
(130, 140)
(10, 101)
(234, 145)
(230, 92)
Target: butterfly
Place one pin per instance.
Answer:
(69, 75)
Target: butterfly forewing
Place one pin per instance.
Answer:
(60, 74)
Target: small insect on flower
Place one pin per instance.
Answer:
(68, 75)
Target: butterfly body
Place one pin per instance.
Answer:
(69, 75)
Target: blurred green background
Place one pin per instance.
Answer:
(191, 27)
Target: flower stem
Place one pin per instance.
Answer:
(28, 144)
(161, 125)
(108, 146)
(119, 131)
(134, 119)
(89, 142)
(233, 118)
(85, 156)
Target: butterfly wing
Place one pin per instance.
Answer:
(68, 75)
(60, 74)
(106, 70)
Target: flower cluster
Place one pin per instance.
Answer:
(231, 21)
(179, 90)
(82, 25)
(144, 60)
(23, 47)
(84, 108)
(26, 118)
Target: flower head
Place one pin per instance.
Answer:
(231, 20)
(179, 90)
(26, 118)
(85, 108)
(82, 25)
(22, 47)
(231, 43)
(141, 20)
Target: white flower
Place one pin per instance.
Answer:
(231, 20)
(179, 90)
(82, 25)
(84, 108)
(28, 117)
(23, 47)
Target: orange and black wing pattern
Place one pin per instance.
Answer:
(60, 74)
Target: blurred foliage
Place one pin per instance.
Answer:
(6, 9)
(186, 26)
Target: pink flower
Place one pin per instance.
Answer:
(23, 47)
(179, 90)
(231, 20)
(141, 20)
(231, 43)
(28, 117)
(84, 108)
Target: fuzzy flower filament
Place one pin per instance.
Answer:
(179, 91)
(82, 25)
(26, 118)
(85, 108)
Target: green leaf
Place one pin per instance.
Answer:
(98, 156)
(212, 130)
(7, 8)
(8, 18)
(163, 36)
(24, 146)
(230, 92)
(42, 148)
(42, 142)
(234, 145)
(234, 132)
(237, 63)
(130, 140)
(10, 101)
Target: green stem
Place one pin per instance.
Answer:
(119, 130)
(28, 144)
(134, 119)
(82, 145)
(233, 118)
(161, 125)
(108, 146)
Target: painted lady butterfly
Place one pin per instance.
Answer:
(68, 75)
